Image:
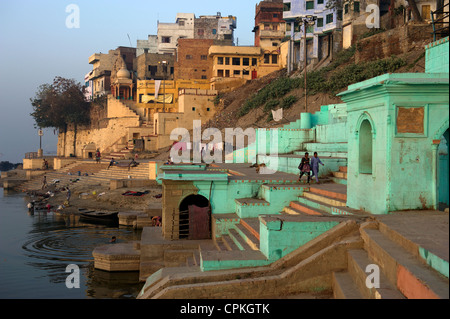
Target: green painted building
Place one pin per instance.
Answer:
(395, 126)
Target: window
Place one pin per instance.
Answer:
(287, 6)
(188, 57)
(236, 61)
(310, 29)
(220, 73)
(254, 61)
(227, 73)
(208, 109)
(200, 31)
(203, 57)
(346, 8)
(319, 1)
(246, 61)
(214, 31)
(266, 58)
(220, 60)
(266, 26)
(245, 72)
(181, 23)
(237, 72)
(426, 14)
(275, 15)
(329, 18)
(356, 6)
(274, 59)
(320, 22)
(339, 15)
(227, 36)
(204, 77)
(153, 69)
(309, 5)
(227, 61)
(193, 109)
(274, 44)
(171, 70)
(288, 27)
(165, 39)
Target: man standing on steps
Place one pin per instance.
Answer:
(44, 182)
(315, 161)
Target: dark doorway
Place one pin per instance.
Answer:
(195, 218)
(443, 167)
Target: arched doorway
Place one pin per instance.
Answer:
(365, 147)
(442, 171)
(195, 218)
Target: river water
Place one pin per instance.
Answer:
(35, 250)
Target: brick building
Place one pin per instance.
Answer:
(269, 23)
(193, 61)
(149, 66)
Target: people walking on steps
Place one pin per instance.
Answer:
(315, 161)
(305, 167)
(111, 163)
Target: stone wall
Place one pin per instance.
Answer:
(392, 42)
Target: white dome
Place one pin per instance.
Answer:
(123, 74)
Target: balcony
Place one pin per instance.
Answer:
(272, 34)
(94, 58)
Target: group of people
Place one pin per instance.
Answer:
(308, 165)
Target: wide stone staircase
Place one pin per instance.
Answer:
(88, 173)
(337, 262)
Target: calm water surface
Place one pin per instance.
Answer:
(35, 250)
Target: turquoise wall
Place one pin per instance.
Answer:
(280, 237)
(403, 164)
(437, 56)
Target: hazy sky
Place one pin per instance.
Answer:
(36, 46)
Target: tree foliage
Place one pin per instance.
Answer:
(59, 104)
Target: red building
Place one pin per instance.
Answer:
(269, 24)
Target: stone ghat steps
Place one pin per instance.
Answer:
(242, 236)
(340, 177)
(115, 172)
(384, 269)
(68, 173)
(301, 271)
(319, 200)
(98, 175)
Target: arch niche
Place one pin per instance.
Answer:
(195, 217)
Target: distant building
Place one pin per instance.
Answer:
(88, 87)
(103, 68)
(193, 61)
(321, 37)
(269, 24)
(147, 46)
(150, 66)
(187, 26)
(232, 66)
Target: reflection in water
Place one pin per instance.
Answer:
(52, 241)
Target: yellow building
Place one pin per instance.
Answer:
(166, 101)
(234, 65)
